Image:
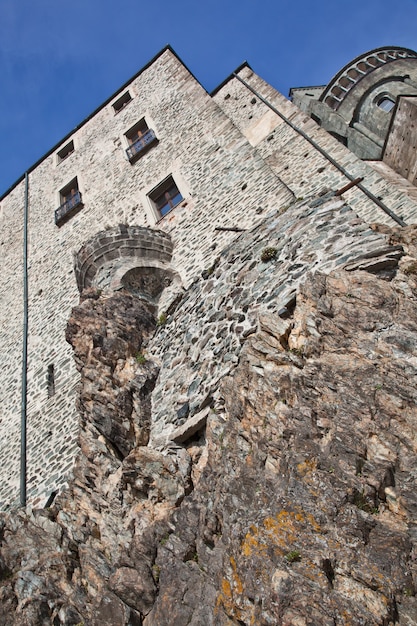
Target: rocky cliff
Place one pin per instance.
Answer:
(284, 491)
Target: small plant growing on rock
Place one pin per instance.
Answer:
(156, 571)
(162, 319)
(293, 557)
(140, 358)
(268, 254)
(207, 273)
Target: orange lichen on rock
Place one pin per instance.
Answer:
(280, 531)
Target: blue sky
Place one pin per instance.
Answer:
(60, 59)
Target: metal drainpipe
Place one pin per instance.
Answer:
(24, 350)
(341, 169)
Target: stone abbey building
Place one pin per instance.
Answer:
(147, 191)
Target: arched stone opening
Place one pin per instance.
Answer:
(129, 257)
(148, 283)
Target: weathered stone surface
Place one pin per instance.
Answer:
(136, 587)
(304, 514)
(201, 340)
(292, 503)
(155, 476)
(191, 426)
(107, 336)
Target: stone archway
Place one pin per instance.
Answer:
(128, 257)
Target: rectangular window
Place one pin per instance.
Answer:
(71, 202)
(65, 151)
(166, 196)
(140, 138)
(122, 102)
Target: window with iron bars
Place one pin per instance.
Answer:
(140, 138)
(71, 201)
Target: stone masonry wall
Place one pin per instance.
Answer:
(231, 173)
(296, 162)
(257, 274)
(224, 182)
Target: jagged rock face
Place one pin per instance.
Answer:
(305, 513)
(88, 559)
(107, 337)
(293, 501)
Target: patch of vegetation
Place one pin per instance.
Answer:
(140, 358)
(162, 320)
(156, 571)
(293, 557)
(268, 254)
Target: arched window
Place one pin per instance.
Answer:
(386, 103)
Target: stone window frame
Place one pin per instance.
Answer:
(152, 215)
(169, 190)
(131, 137)
(135, 131)
(69, 201)
(68, 190)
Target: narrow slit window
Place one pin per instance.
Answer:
(51, 381)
